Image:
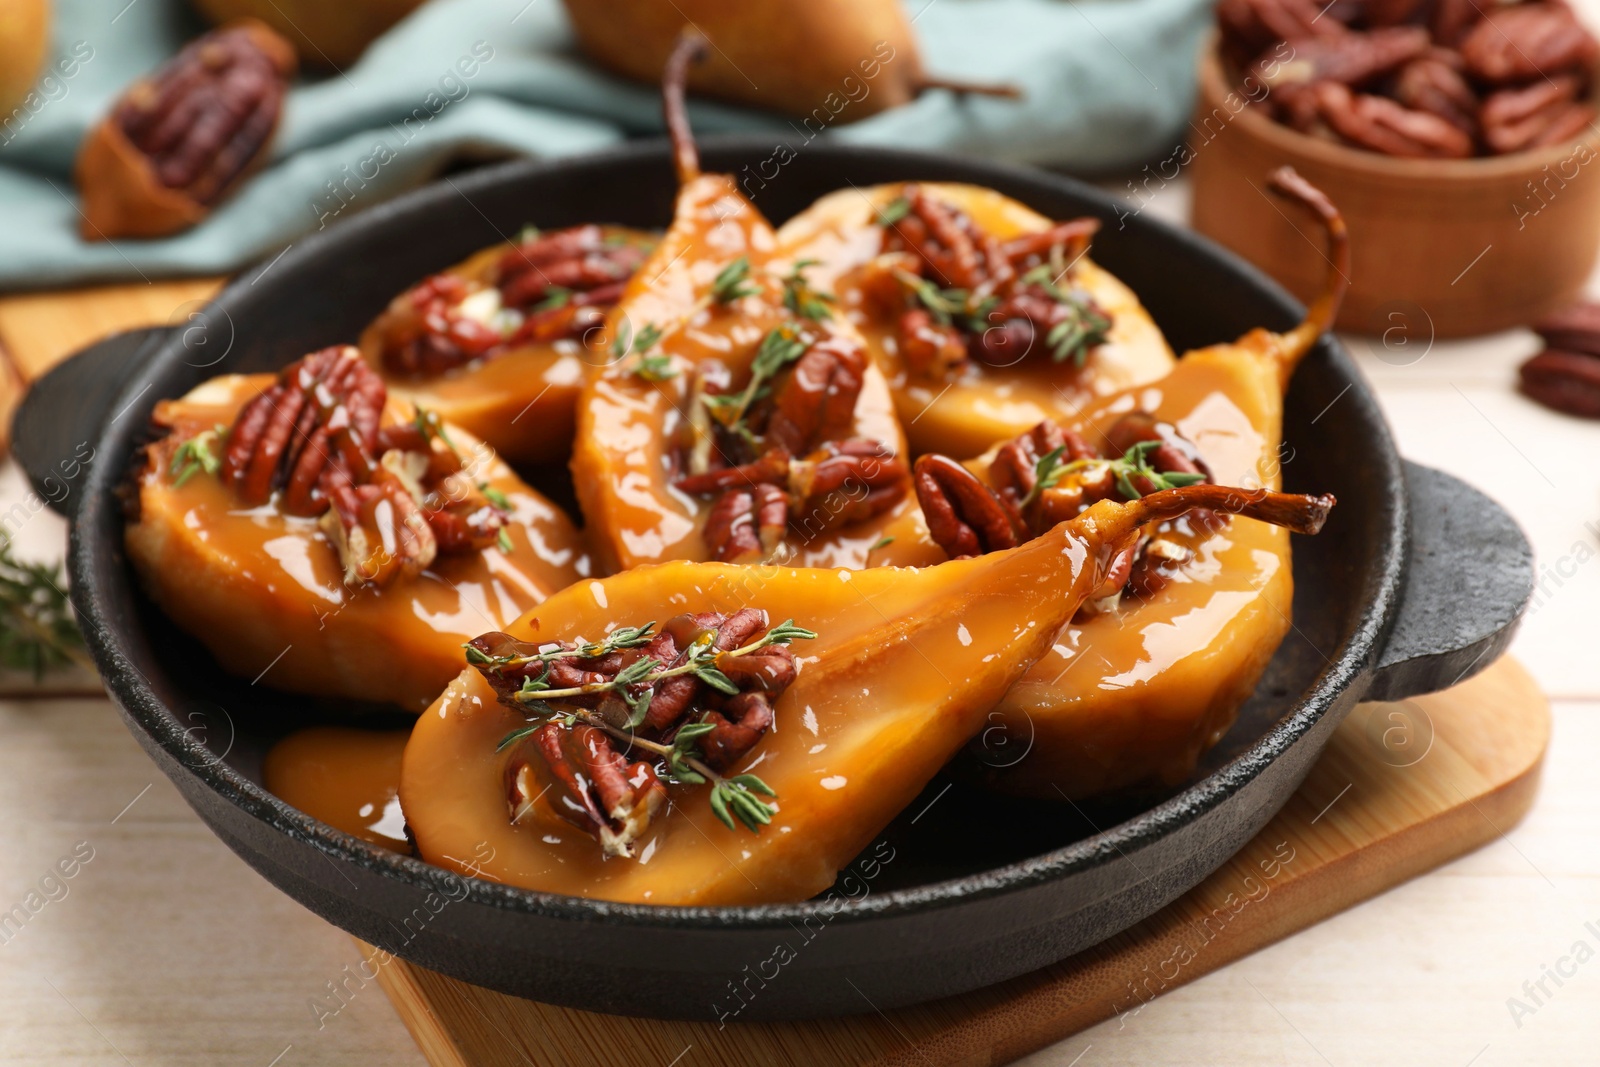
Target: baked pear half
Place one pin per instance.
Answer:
(498, 343)
(322, 537)
(985, 316)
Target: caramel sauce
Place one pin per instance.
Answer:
(264, 590)
(347, 778)
(963, 414)
(907, 664)
(520, 401)
(628, 428)
(1140, 691)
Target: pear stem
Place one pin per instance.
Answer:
(1287, 183)
(964, 88)
(1293, 511)
(690, 49)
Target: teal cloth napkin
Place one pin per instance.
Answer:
(1106, 83)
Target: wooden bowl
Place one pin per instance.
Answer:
(1439, 248)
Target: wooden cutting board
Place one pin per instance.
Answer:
(1401, 789)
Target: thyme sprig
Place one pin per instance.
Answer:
(949, 307)
(199, 453)
(733, 282)
(1047, 474)
(37, 630)
(800, 298)
(1085, 325)
(554, 297)
(780, 347)
(894, 211)
(1134, 463)
(732, 798)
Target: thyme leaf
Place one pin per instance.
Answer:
(197, 454)
(894, 211)
(37, 629)
(801, 299)
(555, 297)
(1135, 463)
(733, 282)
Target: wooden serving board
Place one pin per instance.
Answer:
(1401, 789)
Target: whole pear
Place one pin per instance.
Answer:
(834, 61)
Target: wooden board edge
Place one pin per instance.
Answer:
(399, 983)
(1334, 887)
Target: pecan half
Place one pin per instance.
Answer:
(1433, 84)
(312, 430)
(951, 248)
(964, 516)
(1380, 124)
(1353, 59)
(1545, 112)
(1568, 382)
(1014, 471)
(847, 481)
(1250, 26)
(378, 531)
(818, 402)
(175, 143)
(600, 791)
(929, 347)
(745, 525)
(596, 787)
(1527, 41)
(1572, 329)
(548, 287)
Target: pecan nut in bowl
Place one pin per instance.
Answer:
(499, 343)
(324, 538)
(179, 141)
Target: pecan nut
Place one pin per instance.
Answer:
(964, 516)
(310, 431)
(1546, 112)
(177, 142)
(1352, 59)
(1380, 124)
(545, 288)
(583, 762)
(1568, 382)
(847, 481)
(1250, 26)
(745, 525)
(818, 402)
(599, 790)
(1434, 84)
(1572, 329)
(1527, 41)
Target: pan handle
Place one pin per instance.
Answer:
(60, 422)
(1468, 579)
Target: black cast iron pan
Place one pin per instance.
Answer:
(1417, 581)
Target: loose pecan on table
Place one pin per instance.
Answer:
(598, 780)
(177, 142)
(391, 498)
(545, 287)
(1565, 376)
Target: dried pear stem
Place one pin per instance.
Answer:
(1293, 511)
(1287, 182)
(690, 49)
(964, 88)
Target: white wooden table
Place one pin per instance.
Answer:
(164, 948)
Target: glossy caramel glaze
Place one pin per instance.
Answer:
(520, 401)
(966, 412)
(627, 426)
(349, 779)
(1138, 692)
(263, 590)
(906, 665)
